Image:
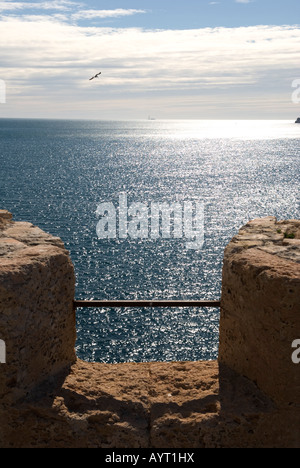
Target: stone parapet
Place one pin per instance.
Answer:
(260, 307)
(248, 398)
(149, 405)
(37, 320)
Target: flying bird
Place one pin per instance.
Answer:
(96, 76)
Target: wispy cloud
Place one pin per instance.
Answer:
(208, 56)
(77, 10)
(243, 1)
(56, 58)
(92, 14)
(62, 5)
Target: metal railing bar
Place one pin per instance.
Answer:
(147, 303)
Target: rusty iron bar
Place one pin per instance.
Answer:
(138, 303)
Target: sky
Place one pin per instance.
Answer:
(168, 59)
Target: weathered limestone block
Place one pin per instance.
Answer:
(50, 399)
(37, 321)
(260, 307)
(150, 405)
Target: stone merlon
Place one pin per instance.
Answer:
(249, 397)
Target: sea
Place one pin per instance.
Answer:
(57, 173)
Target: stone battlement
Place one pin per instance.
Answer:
(249, 397)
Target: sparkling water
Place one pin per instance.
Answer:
(56, 173)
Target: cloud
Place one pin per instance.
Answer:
(47, 5)
(243, 1)
(92, 14)
(206, 57)
(68, 6)
(48, 60)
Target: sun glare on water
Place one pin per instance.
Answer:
(233, 129)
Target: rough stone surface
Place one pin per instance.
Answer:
(37, 321)
(260, 307)
(150, 405)
(50, 399)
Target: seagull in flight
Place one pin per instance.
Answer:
(96, 76)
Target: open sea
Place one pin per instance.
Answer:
(55, 173)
